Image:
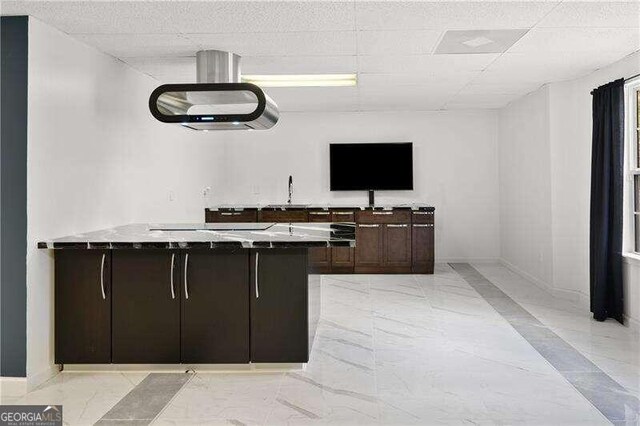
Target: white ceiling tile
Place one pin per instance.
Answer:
(404, 97)
(397, 42)
(478, 41)
(262, 16)
(551, 66)
(298, 64)
(391, 99)
(451, 82)
(450, 15)
(578, 40)
(501, 88)
(594, 14)
(166, 70)
(140, 45)
(430, 64)
(468, 100)
(330, 43)
(315, 98)
(92, 17)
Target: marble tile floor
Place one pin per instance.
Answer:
(399, 349)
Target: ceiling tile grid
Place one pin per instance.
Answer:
(391, 45)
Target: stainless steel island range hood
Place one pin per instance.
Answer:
(218, 101)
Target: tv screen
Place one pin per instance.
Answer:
(371, 166)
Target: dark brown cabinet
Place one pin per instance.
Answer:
(83, 306)
(146, 306)
(423, 248)
(215, 306)
(395, 240)
(279, 305)
(283, 216)
(320, 258)
(201, 306)
(397, 247)
(369, 247)
(342, 258)
(231, 216)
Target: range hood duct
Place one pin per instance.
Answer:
(218, 101)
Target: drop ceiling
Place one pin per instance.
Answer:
(390, 45)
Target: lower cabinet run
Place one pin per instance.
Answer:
(200, 306)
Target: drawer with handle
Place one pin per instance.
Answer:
(343, 216)
(383, 216)
(422, 217)
(319, 216)
(232, 216)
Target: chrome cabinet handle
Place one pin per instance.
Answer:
(230, 214)
(423, 225)
(256, 277)
(384, 213)
(186, 266)
(319, 213)
(173, 262)
(342, 212)
(423, 213)
(104, 296)
(368, 226)
(404, 225)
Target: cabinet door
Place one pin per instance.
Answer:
(342, 258)
(369, 246)
(397, 246)
(146, 306)
(279, 305)
(423, 248)
(320, 258)
(82, 306)
(215, 306)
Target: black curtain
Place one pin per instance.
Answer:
(607, 158)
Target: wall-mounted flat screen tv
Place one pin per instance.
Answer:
(371, 166)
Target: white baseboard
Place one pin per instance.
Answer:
(579, 298)
(182, 368)
(35, 380)
(570, 295)
(13, 386)
(480, 260)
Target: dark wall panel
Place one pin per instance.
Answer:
(13, 195)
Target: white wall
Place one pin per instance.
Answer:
(96, 158)
(568, 160)
(525, 187)
(455, 168)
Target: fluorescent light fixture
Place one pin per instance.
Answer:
(302, 80)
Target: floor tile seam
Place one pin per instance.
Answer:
(553, 366)
(192, 376)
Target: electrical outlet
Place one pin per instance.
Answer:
(172, 196)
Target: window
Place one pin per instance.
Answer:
(633, 164)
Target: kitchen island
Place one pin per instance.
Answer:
(216, 293)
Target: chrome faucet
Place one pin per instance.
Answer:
(290, 189)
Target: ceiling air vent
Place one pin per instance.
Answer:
(219, 101)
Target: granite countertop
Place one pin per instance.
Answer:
(240, 207)
(211, 235)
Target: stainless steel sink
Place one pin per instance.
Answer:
(287, 206)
